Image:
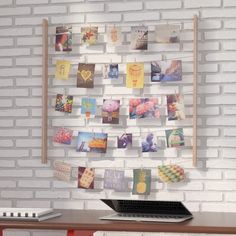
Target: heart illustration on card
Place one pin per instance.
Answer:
(86, 74)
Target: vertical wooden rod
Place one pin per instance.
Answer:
(44, 92)
(195, 75)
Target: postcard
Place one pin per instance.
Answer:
(63, 38)
(85, 75)
(175, 107)
(89, 35)
(114, 36)
(91, 142)
(110, 111)
(124, 141)
(175, 137)
(63, 135)
(149, 143)
(86, 177)
(135, 75)
(62, 69)
(110, 71)
(114, 179)
(167, 33)
(144, 108)
(62, 170)
(166, 70)
(139, 38)
(141, 181)
(64, 103)
(88, 107)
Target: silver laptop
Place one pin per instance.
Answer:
(142, 210)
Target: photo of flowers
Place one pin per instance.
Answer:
(144, 108)
(89, 35)
(114, 36)
(62, 69)
(124, 141)
(85, 75)
(114, 179)
(167, 33)
(88, 107)
(139, 38)
(86, 177)
(170, 70)
(110, 111)
(110, 71)
(64, 103)
(175, 137)
(149, 143)
(63, 38)
(175, 107)
(135, 75)
(63, 135)
(141, 181)
(91, 142)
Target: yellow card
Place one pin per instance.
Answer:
(135, 75)
(62, 69)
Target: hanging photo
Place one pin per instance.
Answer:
(149, 143)
(62, 170)
(144, 108)
(91, 142)
(62, 69)
(110, 71)
(175, 137)
(135, 75)
(88, 107)
(110, 111)
(141, 181)
(89, 35)
(63, 135)
(139, 38)
(64, 103)
(114, 36)
(166, 70)
(86, 177)
(85, 75)
(124, 141)
(114, 179)
(171, 173)
(167, 33)
(63, 39)
(175, 107)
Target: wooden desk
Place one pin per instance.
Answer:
(86, 222)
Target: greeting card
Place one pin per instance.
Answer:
(149, 143)
(141, 181)
(139, 38)
(114, 36)
(114, 179)
(88, 107)
(62, 170)
(175, 137)
(85, 75)
(124, 141)
(135, 75)
(175, 107)
(64, 103)
(167, 33)
(110, 111)
(89, 35)
(63, 38)
(62, 69)
(63, 135)
(110, 71)
(171, 173)
(86, 177)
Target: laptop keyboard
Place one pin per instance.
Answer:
(151, 216)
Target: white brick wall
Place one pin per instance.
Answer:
(25, 182)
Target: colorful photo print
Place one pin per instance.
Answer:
(64, 103)
(144, 108)
(114, 36)
(63, 135)
(149, 143)
(62, 69)
(91, 142)
(114, 179)
(88, 107)
(166, 70)
(110, 71)
(175, 107)
(135, 75)
(86, 177)
(124, 141)
(85, 75)
(175, 137)
(62, 170)
(139, 38)
(171, 173)
(167, 33)
(141, 181)
(63, 39)
(89, 35)
(110, 111)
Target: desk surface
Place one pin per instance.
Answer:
(89, 220)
